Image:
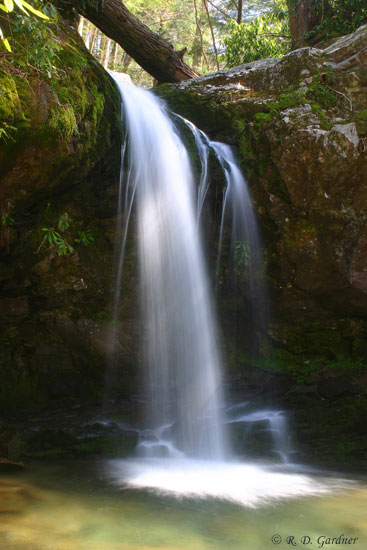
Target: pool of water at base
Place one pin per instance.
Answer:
(76, 505)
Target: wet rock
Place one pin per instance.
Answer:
(105, 440)
(63, 162)
(70, 432)
(15, 309)
(277, 386)
(339, 386)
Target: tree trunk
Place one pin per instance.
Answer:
(114, 56)
(150, 51)
(101, 45)
(212, 33)
(93, 39)
(107, 54)
(239, 11)
(197, 47)
(304, 15)
(126, 60)
(81, 26)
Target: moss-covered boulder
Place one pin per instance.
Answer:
(60, 142)
(55, 126)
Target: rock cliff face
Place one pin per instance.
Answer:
(59, 165)
(300, 127)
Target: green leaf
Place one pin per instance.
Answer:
(33, 10)
(63, 223)
(19, 3)
(6, 44)
(9, 4)
(5, 40)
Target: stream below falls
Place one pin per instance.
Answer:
(78, 506)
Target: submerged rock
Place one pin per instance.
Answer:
(9, 465)
(16, 496)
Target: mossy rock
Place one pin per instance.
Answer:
(96, 441)
(361, 122)
(59, 153)
(55, 130)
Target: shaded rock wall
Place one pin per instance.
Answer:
(59, 168)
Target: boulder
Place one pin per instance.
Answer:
(299, 124)
(339, 386)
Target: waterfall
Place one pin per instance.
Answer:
(184, 449)
(180, 339)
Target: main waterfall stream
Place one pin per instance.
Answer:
(181, 356)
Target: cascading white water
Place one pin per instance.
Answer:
(245, 250)
(277, 425)
(181, 350)
(237, 199)
(185, 444)
(203, 146)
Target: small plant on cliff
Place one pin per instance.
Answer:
(54, 239)
(242, 253)
(85, 237)
(63, 223)
(28, 33)
(6, 219)
(35, 44)
(5, 132)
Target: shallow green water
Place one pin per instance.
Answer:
(74, 506)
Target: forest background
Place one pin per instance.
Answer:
(209, 34)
